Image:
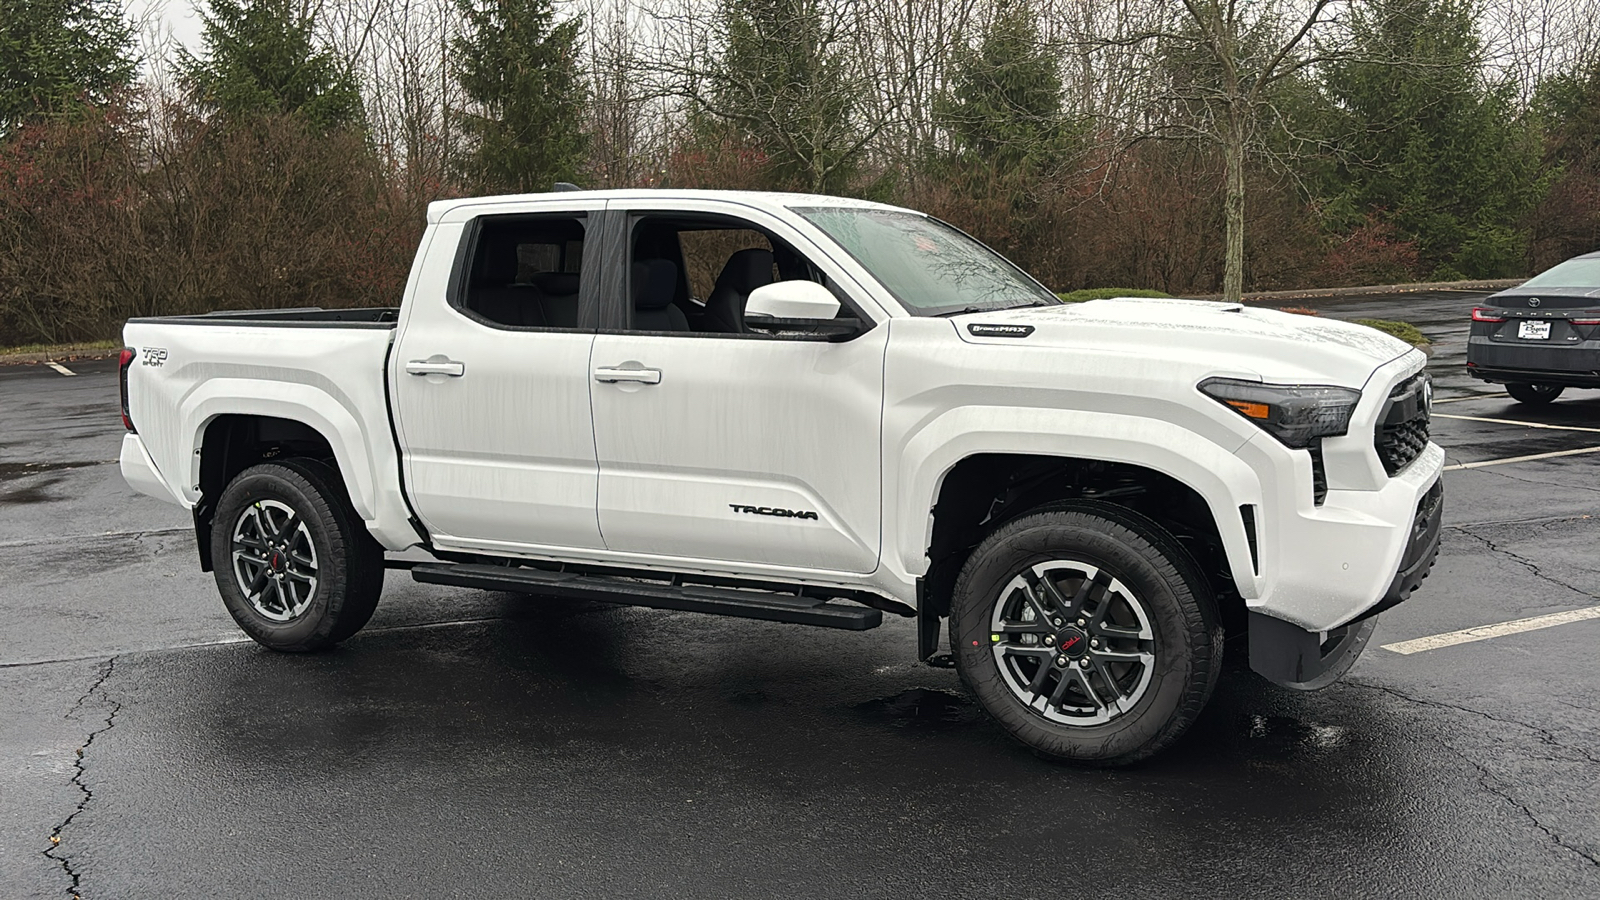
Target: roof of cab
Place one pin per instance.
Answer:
(772, 201)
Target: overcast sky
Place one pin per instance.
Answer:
(170, 16)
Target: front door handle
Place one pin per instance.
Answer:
(614, 374)
(437, 365)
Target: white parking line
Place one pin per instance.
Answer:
(1516, 459)
(59, 368)
(1485, 632)
(1438, 400)
(1515, 422)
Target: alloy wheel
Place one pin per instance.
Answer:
(1072, 642)
(274, 560)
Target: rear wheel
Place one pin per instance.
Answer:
(1087, 632)
(296, 567)
(1534, 394)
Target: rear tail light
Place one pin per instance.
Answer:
(1482, 314)
(1584, 321)
(123, 362)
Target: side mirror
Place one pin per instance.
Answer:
(792, 300)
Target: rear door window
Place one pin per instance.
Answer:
(525, 272)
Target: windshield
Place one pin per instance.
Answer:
(930, 267)
(1574, 273)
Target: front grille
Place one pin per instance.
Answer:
(1403, 427)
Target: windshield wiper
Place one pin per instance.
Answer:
(982, 309)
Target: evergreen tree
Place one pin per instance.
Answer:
(1430, 146)
(784, 87)
(1004, 105)
(1569, 107)
(520, 70)
(262, 58)
(1567, 222)
(58, 54)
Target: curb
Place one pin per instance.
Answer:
(58, 354)
(1378, 289)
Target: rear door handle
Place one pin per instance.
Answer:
(614, 374)
(437, 365)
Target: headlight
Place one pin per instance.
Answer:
(1295, 414)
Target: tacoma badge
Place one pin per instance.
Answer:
(773, 511)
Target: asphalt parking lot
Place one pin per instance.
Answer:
(470, 744)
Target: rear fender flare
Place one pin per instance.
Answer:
(303, 403)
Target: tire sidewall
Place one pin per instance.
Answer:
(1535, 394)
(291, 488)
(1026, 542)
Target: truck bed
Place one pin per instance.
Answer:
(322, 368)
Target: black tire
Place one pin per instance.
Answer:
(1534, 394)
(1156, 575)
(346, 569)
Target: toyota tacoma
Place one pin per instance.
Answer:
(817, 411)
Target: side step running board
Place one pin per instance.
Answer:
(693, 598)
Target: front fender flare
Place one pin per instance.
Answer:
(923, 460)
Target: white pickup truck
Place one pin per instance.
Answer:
(863, 411)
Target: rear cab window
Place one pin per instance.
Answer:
(525, 272)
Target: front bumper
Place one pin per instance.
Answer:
(1289, 655)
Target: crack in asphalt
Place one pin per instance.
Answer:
(73, 539)
(1532, 481)
(1545, 736)
(52, 852)
(1577, 706)
(1523, 561)
(1531, 520)
(1484, 782)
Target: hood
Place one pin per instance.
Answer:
(1213, 338)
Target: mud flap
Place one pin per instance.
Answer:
(1288, 655)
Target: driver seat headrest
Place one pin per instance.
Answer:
(744, 271)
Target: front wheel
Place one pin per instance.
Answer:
(1087, 632)
(296, 567)
(1534, 394)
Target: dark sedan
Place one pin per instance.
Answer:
(1543, 336)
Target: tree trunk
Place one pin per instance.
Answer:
(1233, 208)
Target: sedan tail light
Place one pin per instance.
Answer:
(1484, 314)
(123, 362)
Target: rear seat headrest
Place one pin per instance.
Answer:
(655, 282)
(556, 284)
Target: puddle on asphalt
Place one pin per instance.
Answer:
(749, 698)
(14, 471)
(39, 491)
(1283, 735)
(923, 708)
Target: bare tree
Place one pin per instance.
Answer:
(787, 76)
(1206, 70)
(626, 138)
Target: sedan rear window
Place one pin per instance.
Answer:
(1583, 272)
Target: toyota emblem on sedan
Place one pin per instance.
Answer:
(1533, 301)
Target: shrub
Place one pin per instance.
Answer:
(1405, 331)
(1108, 293)
(100, 223)
(1373, 253)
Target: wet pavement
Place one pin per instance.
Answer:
(474, 744)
